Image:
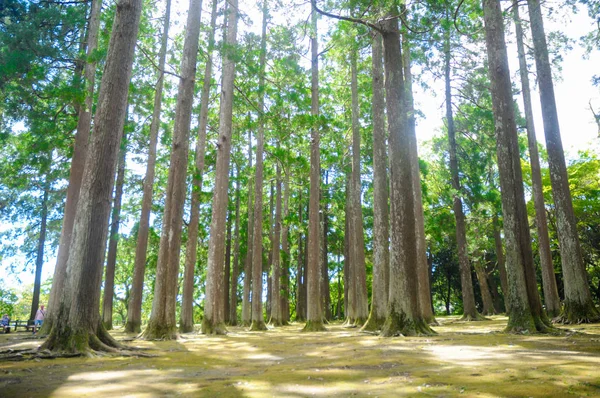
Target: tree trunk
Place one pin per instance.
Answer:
(525, 311)
(300, 269)
(162, 323)
(357, 244)
(186, 319)
(314, 316)
(285, 250)
(276, 308)
(246, 304)
(113, 240)
(227, 270)
(258, 322)
(325, 291)
(348, 289)
(269, 270)
(134, 310)
(551, 298)
(469, 310)
(76, 173)
(578, 305)
(381, 224)
(501, 261)
(236, 256)
(77, 327)
(424, 289)
(213, 322)
(486, 296)
(403, 309)
(39, 259)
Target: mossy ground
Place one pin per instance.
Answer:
(464, 359)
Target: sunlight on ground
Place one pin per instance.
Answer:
(463, 359)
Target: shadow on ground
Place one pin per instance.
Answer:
(464, 359)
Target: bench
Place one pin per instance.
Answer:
(28, 325)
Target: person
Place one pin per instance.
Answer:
(5, 323)
(39, 319)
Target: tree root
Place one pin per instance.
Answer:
(156, 332)
(210, 328)
(473, 318)
(373, 324)
(576, 314)
(314, 326)
(258, 326)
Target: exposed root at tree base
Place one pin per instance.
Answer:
(314, 326)
(154, 331)
(373, 324)
(575, 314)
(258, 326)
(399, 324)
(473, 318)
(131, 327)
(210, 328)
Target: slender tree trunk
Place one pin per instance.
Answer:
(285, 250)
(359, 271)
(258, 322)
(269, 270)
(76, 173)
(113, 240)
(39, 259)
(227, 273)
(501, 261)
(186, 320)
(314, 316)
(162, 323)
(246, 304)
(381, 223)
(301, 269)
(77, 327)
(276, 308)
(525, 310)
(578, 305)
(325, 291)
(403, 307)
(134, 310)
(486, 296)
(236, 255)
(214, 308)
(348, 287)
(468, 296)
(551, 298)
(424, 292)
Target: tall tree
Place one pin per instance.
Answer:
(551, 298)
(214, 317)
(468, 296)
(258, 322)
(525, 310)
(77, 327)
(246, 304)
(578, 306)
(285, 250)
(113, 239)
(80, 145)
(134, 310)
(39, 258)
(236, 255)
(381, 255)
(276, 308)
(314, 317)
(359, 306)
(162, 322)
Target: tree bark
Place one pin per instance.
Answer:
(258, 322)
(300, 269)
(162, 323)
(525, 311)
(80, 145)
(236, 255)
(486, 296)
(186, 319)
(403, 309)
(551, 298)
(285, 250)
(424, 289)
(501, 261)
(578, 306)
(77, 327)
(325, 291)
(39, 259)
(246, 304)
(134, 310)
(314, 316)
(113, 240)
(276, 308)
(468, 296)
(214, 308)
(227, 270)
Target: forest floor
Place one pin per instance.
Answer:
(463, 359)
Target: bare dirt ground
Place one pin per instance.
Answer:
(464, 359)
